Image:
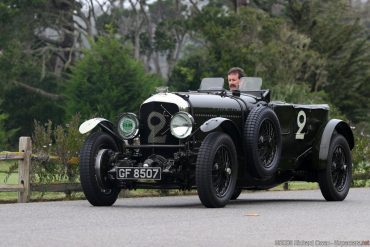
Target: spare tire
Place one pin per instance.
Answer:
(262, 142)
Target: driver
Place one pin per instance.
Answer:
(233, 77)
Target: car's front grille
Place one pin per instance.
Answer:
(155, 120)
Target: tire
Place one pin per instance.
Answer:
(98, 193)
(236, 194)
(263, 143)
(335, 179)
(216, 170)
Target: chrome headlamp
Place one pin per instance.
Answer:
(181, 125)
(128, 125)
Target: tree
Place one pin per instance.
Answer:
(157, 30)
(40, 40)
(264, 46)
(338, 35)
(23, 105)
(5, 135)
(108, 81)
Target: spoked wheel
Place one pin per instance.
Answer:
(216, 170)
(267, 144)
(94, 165)
(262, 142)
(335, 180)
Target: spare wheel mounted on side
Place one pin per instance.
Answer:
(263, 143)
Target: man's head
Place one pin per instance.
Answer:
(233, 77)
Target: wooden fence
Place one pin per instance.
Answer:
(24, 186)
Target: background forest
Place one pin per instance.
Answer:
(67, 59)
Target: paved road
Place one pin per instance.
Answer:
(256, 219)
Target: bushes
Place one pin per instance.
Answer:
(361, 157)
(108, 81)
(63, 141)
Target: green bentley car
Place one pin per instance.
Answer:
(217, 142)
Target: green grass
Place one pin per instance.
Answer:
(13, 179)
(298, 186)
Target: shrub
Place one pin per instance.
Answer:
(63, 141)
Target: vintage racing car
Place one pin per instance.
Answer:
(217, 142)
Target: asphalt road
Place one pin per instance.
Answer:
(256, 219)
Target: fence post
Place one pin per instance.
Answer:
(286, 186)
(25, 146)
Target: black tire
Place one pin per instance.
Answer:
(236, 194)
(263, 145)
(97, 193)
(335, 179)
(216, 170)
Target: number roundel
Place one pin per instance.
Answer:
(301, 122)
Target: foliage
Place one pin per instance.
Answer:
(108, 81)
(5, 135)
(37, 37)
(338, 35)
(15, 19)
(63, 141)
(21, 105)
(361, 154)
(264, 46)
(157, 30)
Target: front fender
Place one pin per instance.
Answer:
(91, 124)
(227, 126)
(212, 124)
(105, 125)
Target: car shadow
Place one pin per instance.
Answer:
(264, 201)
(198, 204)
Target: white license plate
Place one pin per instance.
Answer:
(143, 173)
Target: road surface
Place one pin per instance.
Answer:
(284, 218)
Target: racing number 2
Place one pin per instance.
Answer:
(301, 122)
(156, 128)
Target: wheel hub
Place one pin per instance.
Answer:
(339, 168)
(102, 162)
(221, 171)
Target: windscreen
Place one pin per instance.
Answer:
(250, 84)
(216, 83)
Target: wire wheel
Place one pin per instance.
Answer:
(267, 143)
(262, 142)
(335, 179)
(339, 168)
(216, 170)
(94, 165)
(221, 171)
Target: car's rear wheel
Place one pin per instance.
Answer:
(335, 179)
(263, 145)
(236, 194)
(94, 166)
(216, 170)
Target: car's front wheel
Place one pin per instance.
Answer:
(216, 170)
(335, 179)
(94, 165)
